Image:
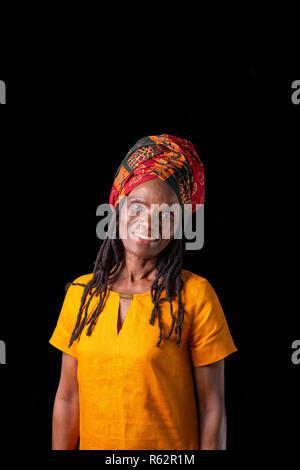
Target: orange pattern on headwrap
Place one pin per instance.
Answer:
(167, 157)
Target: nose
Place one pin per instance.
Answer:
(148, 221)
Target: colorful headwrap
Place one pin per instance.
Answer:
(167, 157)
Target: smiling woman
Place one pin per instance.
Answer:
(130, 389)
(139, 233)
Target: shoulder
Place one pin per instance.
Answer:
(76, 287)
(193, 280)
(83, 279)
(194, 285)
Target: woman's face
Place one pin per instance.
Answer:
(140, 215)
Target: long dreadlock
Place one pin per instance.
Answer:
(108, 261)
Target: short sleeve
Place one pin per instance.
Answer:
(209, 339)
(60, 338)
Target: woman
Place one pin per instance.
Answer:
(126, 384)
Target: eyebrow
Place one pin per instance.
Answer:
(136, 200)
(144, 202)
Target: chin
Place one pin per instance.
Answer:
(143, 250)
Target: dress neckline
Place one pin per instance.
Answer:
(139, 294)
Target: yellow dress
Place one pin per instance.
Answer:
(132, 394)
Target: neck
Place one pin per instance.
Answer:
(135, 269)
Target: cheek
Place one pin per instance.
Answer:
(124, 225)
(125, 228)
(122, 228)
(124, 231)
(167, 229)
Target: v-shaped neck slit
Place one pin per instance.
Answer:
(119, 316)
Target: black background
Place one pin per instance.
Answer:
(63, 136)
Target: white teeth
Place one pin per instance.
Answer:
(144, 237)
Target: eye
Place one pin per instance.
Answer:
(138, 207)
(135, 208)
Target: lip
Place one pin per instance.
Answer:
(143, 241)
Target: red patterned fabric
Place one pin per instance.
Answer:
(167, 157)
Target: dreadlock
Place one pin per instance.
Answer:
(108, 261)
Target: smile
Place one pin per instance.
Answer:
(144, 238)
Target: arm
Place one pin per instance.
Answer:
(65, 421)
(212, 414)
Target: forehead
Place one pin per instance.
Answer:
(155, 191)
